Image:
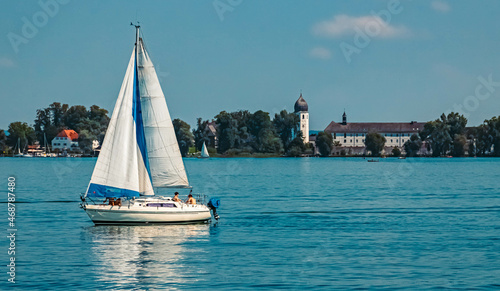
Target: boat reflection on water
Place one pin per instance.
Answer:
(146, 256)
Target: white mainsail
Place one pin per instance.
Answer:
(204, 151)
(140, 149)
(120, 169)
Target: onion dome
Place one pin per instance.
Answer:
(301, 104)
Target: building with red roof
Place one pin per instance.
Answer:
(66, 139)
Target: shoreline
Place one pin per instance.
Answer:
(263, 156)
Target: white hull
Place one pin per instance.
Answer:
(141, 211)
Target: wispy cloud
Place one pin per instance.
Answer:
(342, 25)
(6, 62)
(440, 6)
(320, 53)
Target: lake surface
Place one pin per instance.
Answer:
(300, 223)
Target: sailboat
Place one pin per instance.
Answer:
(140, 156)
(26, 149)
(18, 145)
(204, 152)
(46, 152)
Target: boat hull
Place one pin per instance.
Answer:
(104, 214)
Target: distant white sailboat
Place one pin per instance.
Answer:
(46, 152)
(204, 152)
(27, 154)
(140, 155)
(18, 145)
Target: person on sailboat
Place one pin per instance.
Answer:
(190, 200)
(110, 200)
(176, 197)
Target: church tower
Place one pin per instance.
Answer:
(301, 109)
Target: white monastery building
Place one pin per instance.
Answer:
(352, 135)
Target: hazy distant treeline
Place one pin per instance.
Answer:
(242, 132)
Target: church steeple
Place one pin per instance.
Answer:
(301, 105)
(301, 109)
(344, 118)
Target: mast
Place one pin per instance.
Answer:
(137, 26)
(45, 143)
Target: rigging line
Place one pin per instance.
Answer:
(177, 170)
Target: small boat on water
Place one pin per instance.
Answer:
(204, 152)
(373, 161)
(19, 153)
(140, 157)
(402, 158)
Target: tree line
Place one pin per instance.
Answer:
(237, 132)
(90, 124)
(243, 132)
(449, 135)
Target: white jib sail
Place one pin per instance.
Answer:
(165, 160)
(120, 169)
(204, 151)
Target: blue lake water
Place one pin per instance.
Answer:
(285, 223)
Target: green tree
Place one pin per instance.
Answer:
(3, 141)
(484, 141)
(242, 136)
(324, 142)
(412, 146)
(375, 143)
(74, 116)
(49, 121)
(85, 138)
(471, 133)
(264, 138)
(456, 123)
(297, 146)
(20, 130)
(437, 135)
(440, 134)
(396, 152)
(201, 134)
(269, 142)
(286, 124)
(459, 143)
(226, 131)
(184, 136)
(58, 111)
(487, 137)
(494, 134)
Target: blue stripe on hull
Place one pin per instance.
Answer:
(101, 191)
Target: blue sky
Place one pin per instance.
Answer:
(412, 60)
